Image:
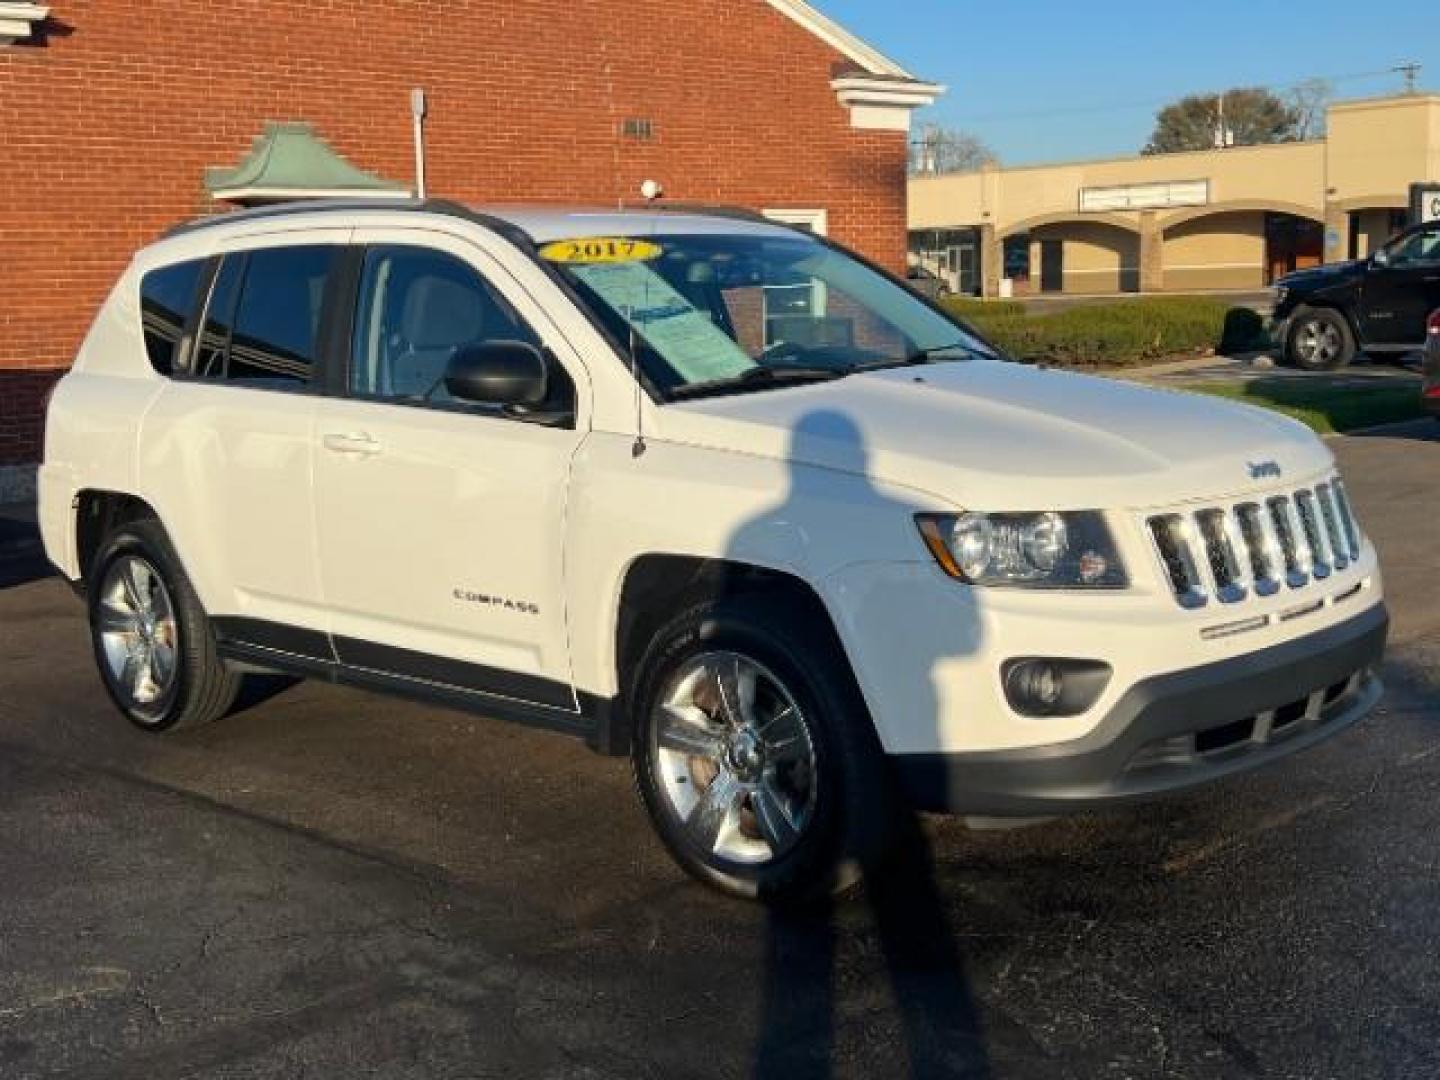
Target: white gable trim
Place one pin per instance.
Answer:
(18, 20)
(840, 39)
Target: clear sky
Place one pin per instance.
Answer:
(1044, 80)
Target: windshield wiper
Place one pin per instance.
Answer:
(922, 356)
(760, 378)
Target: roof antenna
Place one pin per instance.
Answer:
(651, 191)
(419, 107)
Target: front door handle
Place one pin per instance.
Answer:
(355, 443)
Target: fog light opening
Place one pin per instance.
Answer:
(1046, 686)
(1035, 687)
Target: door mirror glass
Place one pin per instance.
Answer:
(1380, 259)
(511, 373)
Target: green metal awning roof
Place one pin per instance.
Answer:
(290, 161)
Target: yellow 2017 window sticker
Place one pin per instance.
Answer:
(601, 249)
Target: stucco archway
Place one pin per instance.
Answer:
(1237, 206)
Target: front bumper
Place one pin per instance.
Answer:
(1172, 731)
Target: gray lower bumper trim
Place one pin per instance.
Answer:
(1096, 770)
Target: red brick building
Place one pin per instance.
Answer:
(111, 112)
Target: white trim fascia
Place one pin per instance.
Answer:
(880, 104)
(18, 20)
(242, 193)
(840, 39)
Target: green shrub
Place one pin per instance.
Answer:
(1119, 334)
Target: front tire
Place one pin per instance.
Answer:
(1320, 340)
(755, 755)
(153, 642)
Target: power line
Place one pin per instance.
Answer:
(1155, 103)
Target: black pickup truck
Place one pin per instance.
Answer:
(1326, 315)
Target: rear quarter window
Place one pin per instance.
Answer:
(167, 302)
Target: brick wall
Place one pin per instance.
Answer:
(107, 123)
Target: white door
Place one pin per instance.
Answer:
(441, 523)
(226, 449)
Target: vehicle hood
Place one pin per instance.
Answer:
(1317, 277)
(1001, 436)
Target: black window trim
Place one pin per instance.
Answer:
(187, 332)
(342, 342)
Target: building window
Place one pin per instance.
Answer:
(815, 221)
(806, 298)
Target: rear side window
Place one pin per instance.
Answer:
(262, 325)
(167, 301)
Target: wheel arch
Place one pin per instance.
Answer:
(655, 587)
(99, 512)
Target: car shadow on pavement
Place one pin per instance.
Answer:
(808, 961)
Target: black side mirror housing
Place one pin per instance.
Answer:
(507, 373)
(1380, 260)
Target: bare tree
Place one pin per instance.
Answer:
(1309, 99)
(941, 150)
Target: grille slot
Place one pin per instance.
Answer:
(1169, 532)
(1256, 548)
(1287, 531)
(1339, 548)
(1314, 539)
(1256, 533)
(1347, 519)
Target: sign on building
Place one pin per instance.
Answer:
(1160, 196)
(1424, 203)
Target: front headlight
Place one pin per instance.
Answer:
(1043, 550)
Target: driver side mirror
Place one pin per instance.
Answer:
(1380, 259)
(505, 373)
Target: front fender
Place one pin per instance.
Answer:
(675, 499)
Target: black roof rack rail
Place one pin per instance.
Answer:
(448, 207)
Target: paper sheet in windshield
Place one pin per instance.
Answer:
(693, 345)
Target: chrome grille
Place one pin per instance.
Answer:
(1258, 547)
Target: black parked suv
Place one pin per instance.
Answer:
(1325, 315)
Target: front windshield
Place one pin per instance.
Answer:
(721, 312)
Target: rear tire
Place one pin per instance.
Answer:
(1320, 340)
(153, 642)
(782, 796)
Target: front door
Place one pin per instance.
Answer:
(441, 522)
(1052, 265)
(1402, 290)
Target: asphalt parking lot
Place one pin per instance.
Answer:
(336, 884)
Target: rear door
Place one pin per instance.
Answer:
(226, 449)
(441, 522)
(1399, 296)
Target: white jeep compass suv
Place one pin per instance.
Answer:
(704, 490)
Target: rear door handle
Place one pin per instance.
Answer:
(355, 443)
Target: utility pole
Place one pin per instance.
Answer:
(1224, 137)
(1411, 73)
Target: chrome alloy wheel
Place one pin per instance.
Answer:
(734, 758)
(138, 634)
(1318, 342)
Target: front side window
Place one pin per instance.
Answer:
(717, 313)
(167, 300)
(1418, 249)
(417, 307)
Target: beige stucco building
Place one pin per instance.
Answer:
(1230, 219)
